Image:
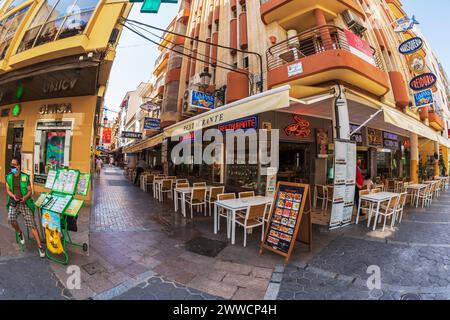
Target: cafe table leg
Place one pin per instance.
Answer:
(215, 218)
(175, 202)
(233, 227)
(376, 216)
(183, 204)
(357, 212)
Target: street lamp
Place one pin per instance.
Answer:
(205, 77)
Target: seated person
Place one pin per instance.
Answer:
(368, 183)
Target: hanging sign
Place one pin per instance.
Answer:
(423, 81)
(416, 63)
(285, 218)
(152, 124)
(405, 24)
(106, 135)
(423, 98)
(202, 100)
(131, 135)
(359, 47)
(410, 46)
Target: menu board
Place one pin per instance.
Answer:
(66, 181)
(285, 218)
(51, 176)
(344, 183)
(83, 184)
(74, 207)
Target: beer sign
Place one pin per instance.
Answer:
(423, 82)
(410, 46)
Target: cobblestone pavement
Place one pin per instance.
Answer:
(140, 249)
(413, 259)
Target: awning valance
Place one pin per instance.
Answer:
(145, 144)
(405, 122)
(263, 102)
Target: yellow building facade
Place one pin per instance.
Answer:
(55, 60)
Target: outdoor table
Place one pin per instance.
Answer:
(375, 198)
(234, 205)
(416, 187)
(183, 192)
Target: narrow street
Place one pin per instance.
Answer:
(140, 249)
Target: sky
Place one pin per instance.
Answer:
(135, 58)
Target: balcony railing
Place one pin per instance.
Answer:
(315, 41)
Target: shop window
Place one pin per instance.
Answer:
(52, 146)
(14, 4)
(58, 19)
(8, 29)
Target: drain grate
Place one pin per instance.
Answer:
(93, 268)
(205, 247)
(410, 296)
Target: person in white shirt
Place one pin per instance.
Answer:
(140, 167)
(98, 166)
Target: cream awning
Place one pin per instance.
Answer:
(263, 102)
(405, 122)
(145, 144)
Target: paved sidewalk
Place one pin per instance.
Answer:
(141, 249)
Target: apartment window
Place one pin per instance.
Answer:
(244, 8)
(217, 26)
(8, 29)
(233, 14)
(58, 19)
(245, 63)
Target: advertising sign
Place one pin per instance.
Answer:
(51, 220)
(374, 137)
(285, 218)
(359, 47)
(106, 135)
(243, 123)
(152, 124)
(423, 98)
(131, 135)
(410, 46)
(416, 63)
(202, 100)
(405, 24)
(423, 81)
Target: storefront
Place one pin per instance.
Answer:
(47, 120)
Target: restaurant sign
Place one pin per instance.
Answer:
(202, 100)
(152, 123)
(423, 98)
(423, 81)
(131, 135)
(417, 63)
(410, 46)
(243, 123)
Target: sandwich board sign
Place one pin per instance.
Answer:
(287, 218)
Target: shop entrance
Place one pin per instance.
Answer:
(14, 142)
(295, 162)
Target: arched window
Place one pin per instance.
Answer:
(58, 19)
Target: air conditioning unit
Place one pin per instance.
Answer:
(353, 21)
(186, 103)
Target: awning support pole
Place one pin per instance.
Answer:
(366, 122)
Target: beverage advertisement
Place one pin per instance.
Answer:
(55, 149)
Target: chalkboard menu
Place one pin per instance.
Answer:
(285, 218)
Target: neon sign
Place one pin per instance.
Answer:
(301, 128)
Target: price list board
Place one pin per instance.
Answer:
(285, 218)
(66, 181)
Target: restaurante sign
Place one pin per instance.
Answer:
(423, 81)
(410, 46)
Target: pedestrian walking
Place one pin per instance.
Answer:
(98, 166)
(20, 202)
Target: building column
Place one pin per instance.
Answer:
(321, 22)
(414, 168)
(436, 161)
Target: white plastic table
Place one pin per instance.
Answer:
(416, 187)
(234, 205)
(377, 199)
(183, 192)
